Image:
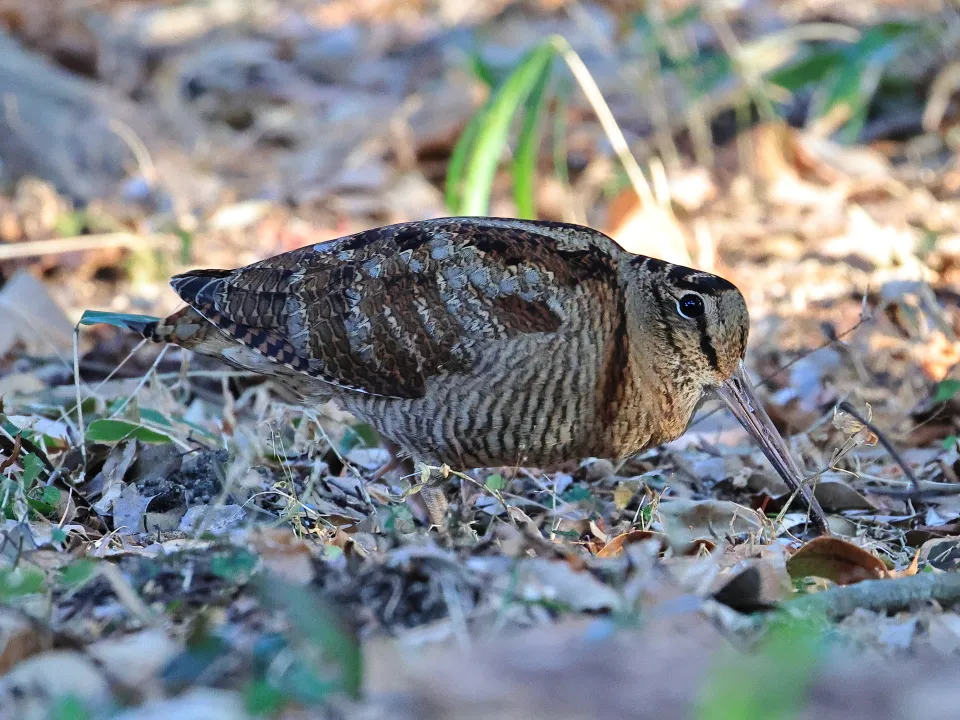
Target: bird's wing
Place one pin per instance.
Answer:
(382, 311)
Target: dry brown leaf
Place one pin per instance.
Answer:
(687, 522)
(624, 494)
(834, 559)
(616, 544)
(284, 554)
(912, 569)
(18, 640)
(32, 317)
(646, 230)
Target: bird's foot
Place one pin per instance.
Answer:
(430, 489)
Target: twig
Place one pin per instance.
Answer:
(846, 407)
(58, 246)
(14, 454)
(889, 595)
(609, 124)
(864, 317)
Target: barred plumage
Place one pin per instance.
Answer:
(479, 341)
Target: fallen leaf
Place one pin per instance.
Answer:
(18, 640)
(646, 230)
(624, 493)
(688, 521)
(128, 510)
(615, 545)
(837, 495)
(32, 317)
(834, 559)
(108, 483)
(556, 581)
(285, 555)
(41, 679)
(942, 553)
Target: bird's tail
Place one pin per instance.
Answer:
(188, 329)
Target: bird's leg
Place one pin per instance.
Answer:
(431, 492)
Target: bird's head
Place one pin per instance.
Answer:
(694, 327)
(698, 321)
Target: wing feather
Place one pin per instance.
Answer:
(385, 310)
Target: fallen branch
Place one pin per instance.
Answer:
(889, 595)
(57, 246)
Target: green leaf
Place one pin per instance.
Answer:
(113, 431)
(69, 707)
(235, 565)
(497, 118)
(186, 246)
(314, 623)
(453, 193)
(360, 435)
(807, 71)
(125, 321)
(78, 572)
(576, 494)
(854, 82)
(262, 698)
(18, 582)
(481, 69)
(201, 653)
(32, 467)
(44, 499)
(528, 148)
(71, 224)
(155, 417)
(946, 390)
(949, 442)
(496, 482)
(769, 684)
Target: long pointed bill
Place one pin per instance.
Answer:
(737, 393)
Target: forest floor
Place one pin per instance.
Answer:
(181, 539)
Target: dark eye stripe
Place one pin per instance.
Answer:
(664, 321)
(706, 347)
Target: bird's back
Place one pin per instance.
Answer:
(473, 341)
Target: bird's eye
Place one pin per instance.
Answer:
(690, 306)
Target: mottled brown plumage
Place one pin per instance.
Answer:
(478, 342)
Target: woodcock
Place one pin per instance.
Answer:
(487, 342)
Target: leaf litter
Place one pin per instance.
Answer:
(180, 538)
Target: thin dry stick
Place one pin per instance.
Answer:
(143, 381)
(846, 407)
(864, 317)
(76, 385)
(58, 246)
(607, 121)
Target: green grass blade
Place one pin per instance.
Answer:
(528, 148)
(561, 164)
(492, 136)
(453, 194)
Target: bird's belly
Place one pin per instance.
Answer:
(537, 410)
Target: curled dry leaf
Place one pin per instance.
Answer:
(284, 554)
(834, 559)
(837, 495)
(615, 545)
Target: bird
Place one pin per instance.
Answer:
(475, 342)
